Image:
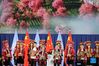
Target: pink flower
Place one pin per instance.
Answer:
(6, 10)
(21, 5)
(11, 21)
(45, 22)
(57, 3)
(38, 3)
(25, 1)
(23, 24)
(85, 9)
(4, 16)
(46, 16)
(27, 13)
(31, 4)
(17, 15)
(5, 4)
(61, 11)
(41, 11)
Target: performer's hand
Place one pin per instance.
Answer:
(69, 55)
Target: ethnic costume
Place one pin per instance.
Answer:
(81, 54)
(69, 53)
(16, 53)
(42, 54)
(57, 54)
(6, 53)
(97, 52)
(1, 61)
(20, 59)
(88, 51)
(33, 55)
(29, 50)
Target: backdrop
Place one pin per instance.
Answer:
(77, 38)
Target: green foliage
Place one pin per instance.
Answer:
(73, 12)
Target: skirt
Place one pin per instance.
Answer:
(70, 61)
(20, 60)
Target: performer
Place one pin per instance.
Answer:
(0, 60)
(97, 52)
(16, 53)
(88, 51)
(81, 54)
(33, 55)
(6, 53)
(31, 44)
(30, 48)
(20, 54)
(57, 54)
(69, 53)
(42, 54)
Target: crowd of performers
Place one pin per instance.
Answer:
(85, 53)
(40, 56)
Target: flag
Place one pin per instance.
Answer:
(15, 39)
(26, 46)
(60, 38)
(69, 39)
(49, 45)
(37, 38)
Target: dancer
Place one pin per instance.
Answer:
(97, 52)
(81, 54)
(16, 53)
(42, 54)
(20, 54)
(69, 53)
(6, 53)
(57, 54)
(33, 55)
(88, 52)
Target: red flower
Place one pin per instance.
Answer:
(11, 21)
(31, 4)
(27, 13)
(41, 11)
(57, 3)
(38, 3)
(23, 24)
(25, 1)
(46, 16)
(85, 9)
(61, 11)
(17, 15)
(21, 5)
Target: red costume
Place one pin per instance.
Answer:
(33, 54)
(16, 52)
(20, 53)
(57, 54)
(96, 52)
(42, 54)
(81, 54)
(6, 53)
(69, 53)
(88, 51)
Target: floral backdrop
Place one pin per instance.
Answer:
(37, 13)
